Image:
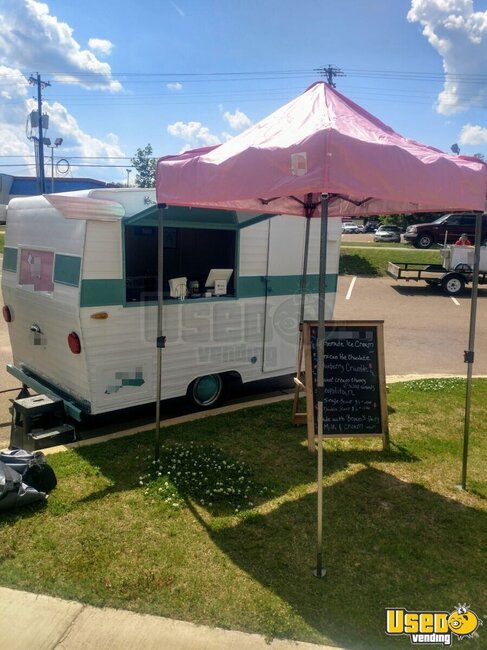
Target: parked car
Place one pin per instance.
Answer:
(424, 235)
(371, 226)
(350, 229)
(388, 233)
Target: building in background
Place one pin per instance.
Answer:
(12, 187)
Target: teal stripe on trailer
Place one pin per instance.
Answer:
(67, 269)
(10, 259)
(281, 285)
(98, 293)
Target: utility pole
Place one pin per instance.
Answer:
(36, 81)
(330, 72)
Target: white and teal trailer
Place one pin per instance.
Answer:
(80, 289)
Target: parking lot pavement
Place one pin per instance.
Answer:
(425, 331)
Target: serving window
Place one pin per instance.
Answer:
(190, 254)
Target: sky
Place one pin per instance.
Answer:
(179, 74)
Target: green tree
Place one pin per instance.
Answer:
(145, 165)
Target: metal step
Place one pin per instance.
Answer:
(45, 434)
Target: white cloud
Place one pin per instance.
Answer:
(15, 129)
(175, 86)
(238, 121)
(195, 132)
(77, 142)
(32, 39)
(459, 35)
(13, 113)
(473, 134)
(14, 84)
(100, 45)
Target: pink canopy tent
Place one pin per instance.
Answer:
(322, 142)
(319, 155)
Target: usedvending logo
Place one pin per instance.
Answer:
(433, 628)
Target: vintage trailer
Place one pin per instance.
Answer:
(80, 291)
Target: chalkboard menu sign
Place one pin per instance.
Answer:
(354, 379)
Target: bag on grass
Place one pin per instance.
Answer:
(14, 492)
(33, 467)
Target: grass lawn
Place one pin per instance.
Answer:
(361, 260)
(226, 534)
(2, 240)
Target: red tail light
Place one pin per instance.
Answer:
(74, 343)
(7, 314)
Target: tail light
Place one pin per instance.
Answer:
(74, 343)
(7, 314)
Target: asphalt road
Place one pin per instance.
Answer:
(425, 332)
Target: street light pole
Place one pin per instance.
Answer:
(52, 168)
(57, 143)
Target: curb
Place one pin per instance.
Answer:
(48, 623)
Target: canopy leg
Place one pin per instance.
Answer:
(469, 354)
(160, 339)
(320, 572)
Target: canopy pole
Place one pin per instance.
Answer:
(160, 339)
(309, 208)
(469, 354)
(320, 572)
(305, 271)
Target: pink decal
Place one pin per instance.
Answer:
(36, 269)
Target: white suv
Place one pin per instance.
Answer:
(350, 229)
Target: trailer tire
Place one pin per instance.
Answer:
(453, 284)
(205, 392)
(463, 268)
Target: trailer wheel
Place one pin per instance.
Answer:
(463, 268)
(206, 391)
(453, 284)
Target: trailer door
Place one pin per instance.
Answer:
(282, 295)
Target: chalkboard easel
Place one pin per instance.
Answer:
(355, 403)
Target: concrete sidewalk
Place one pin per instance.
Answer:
(29, 621)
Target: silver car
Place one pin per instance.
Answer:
(388, 234)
